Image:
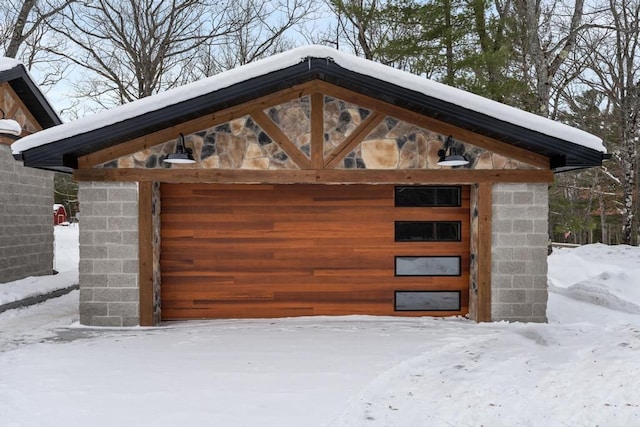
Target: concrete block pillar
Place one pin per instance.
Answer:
(519, 252)
(109, 287)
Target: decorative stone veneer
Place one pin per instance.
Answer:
(157, 231)
(26, 219)
(109, 287)
(238, 144)
(293, 118)
(519, 252)
(473, 251)
(340, 119)
(242, 144)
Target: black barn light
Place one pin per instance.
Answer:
(182, 155)
(450, 156)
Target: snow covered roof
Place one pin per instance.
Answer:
(8, 63)
(16, 75)
(443, 102)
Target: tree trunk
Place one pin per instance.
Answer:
(17, 35)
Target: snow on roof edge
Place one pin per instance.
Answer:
(8, 63)
(292, 57)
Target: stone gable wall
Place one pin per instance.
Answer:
(109, 285)
(519, 252)
(26, 219)
(242, 144)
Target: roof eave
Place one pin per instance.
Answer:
(575, 156)
(20, 81)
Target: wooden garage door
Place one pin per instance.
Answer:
(237, 251)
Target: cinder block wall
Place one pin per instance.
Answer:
(26, 219)
(109, 294)
(519, 252)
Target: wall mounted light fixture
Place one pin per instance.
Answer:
(9, 126)
(182, 155)
(451, 155)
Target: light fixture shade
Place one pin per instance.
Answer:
(449, 155)
(454, 160)
(179, 158)
(10, 127)
(182, 155)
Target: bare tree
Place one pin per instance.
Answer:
(135, 48)
(25, 35)
(613, 49)
(261, 31)
(549, 30)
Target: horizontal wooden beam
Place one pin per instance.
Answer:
(412, 176)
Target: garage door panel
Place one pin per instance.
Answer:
(287, 250)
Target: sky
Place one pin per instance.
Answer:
(582, 368)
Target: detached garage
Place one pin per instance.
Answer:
(312, 183)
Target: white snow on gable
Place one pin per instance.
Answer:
(8, 63)
(295, 56)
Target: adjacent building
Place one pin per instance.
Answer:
(26, 194)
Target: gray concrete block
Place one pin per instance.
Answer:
(510, 240)
(107, 266)
(94, 252)
(537, 267)
(512, 267)
(123, 280)
(86, 294)
(107, 294)
(523, 198)
(131, 321)
(540, 312)
(91, 194)
(131, 266)
(131, 295)
(85, 266)
(500, 253)
(501, 311)
(511, 295)
(91, 223)
(123, 194)
(537, 296)
(130, 238)
(541, 226)
(502, 198)
(91, 309)
(129, 209)
(123, 252)
(107, 321)
(501, 281)
(523, 254)
(502, 225)
(107, 237)
(123, 309)
(522, 226)
(522, 281)
(123, 223)
(93, 281)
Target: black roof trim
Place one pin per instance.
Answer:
(20, 81)
(63, 154)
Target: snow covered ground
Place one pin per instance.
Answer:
(581, 369)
